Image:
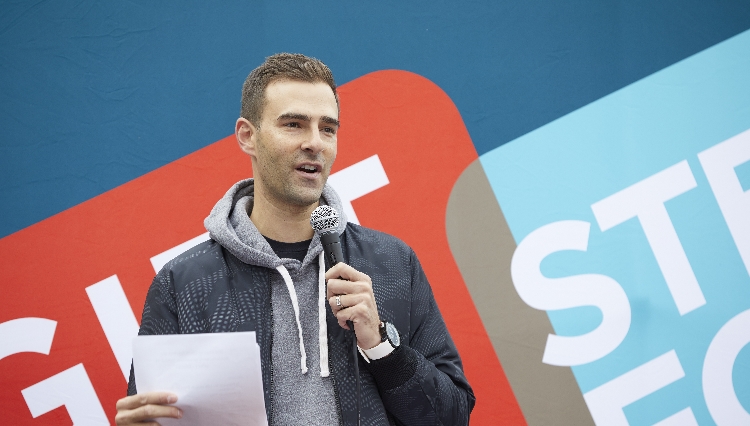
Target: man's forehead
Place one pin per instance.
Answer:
(284, 97)
(294, 89)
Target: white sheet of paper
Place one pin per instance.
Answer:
(216, 376)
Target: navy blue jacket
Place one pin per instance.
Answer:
(420, 383)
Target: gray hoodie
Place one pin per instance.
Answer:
(298, 305)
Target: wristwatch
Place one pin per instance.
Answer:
(389, 341)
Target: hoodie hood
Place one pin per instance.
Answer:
(229, 224)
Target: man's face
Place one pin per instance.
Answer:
(295, 147)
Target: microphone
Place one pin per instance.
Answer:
(325, 220)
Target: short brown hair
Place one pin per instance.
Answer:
(281, 66)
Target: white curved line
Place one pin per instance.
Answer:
(26, 335)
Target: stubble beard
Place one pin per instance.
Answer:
(285, 190)
(301, 196)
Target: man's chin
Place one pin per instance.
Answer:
(306, 198)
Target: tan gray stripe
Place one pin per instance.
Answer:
(482, 246)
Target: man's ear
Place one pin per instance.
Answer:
(246, 134)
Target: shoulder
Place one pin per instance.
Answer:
(204, 258)
(375, 248)
(361, 236)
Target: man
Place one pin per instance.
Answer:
(263, 269)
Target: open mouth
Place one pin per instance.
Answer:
(308, 168)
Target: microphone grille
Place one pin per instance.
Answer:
(324, 219)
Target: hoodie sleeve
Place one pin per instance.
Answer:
(159, 314)
(422, 381)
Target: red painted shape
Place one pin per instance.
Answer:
(424, 146)
(409, 122)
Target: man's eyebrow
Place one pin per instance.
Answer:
(293, 116)
(330, 120)
(303, 117)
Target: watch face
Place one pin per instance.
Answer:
(393, 336)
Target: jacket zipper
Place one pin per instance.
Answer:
(333, 371)
(335, 386)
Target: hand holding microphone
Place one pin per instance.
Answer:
(351, 298)
(349, 292)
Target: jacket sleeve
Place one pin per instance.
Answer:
(422, 381)
(159, 314)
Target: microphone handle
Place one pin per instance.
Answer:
(332, 247)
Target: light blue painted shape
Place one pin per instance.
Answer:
(743, 174)
(559, 170)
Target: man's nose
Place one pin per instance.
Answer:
(313, 142)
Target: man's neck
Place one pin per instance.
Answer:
(281, 222)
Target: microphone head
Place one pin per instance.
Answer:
(324, 219)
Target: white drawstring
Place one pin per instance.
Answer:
(295, 305)
(322, 328)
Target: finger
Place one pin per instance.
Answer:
(340, 301)
(152, 411)
(344, 325)
(137, 400)
(338, 287)
(356, 312)
(359, 312)
(350, 300)
(148, 412)
(344, 315)
(336, 303)
(120, 422)
(344, 271)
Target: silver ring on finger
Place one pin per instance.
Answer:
(338, 301)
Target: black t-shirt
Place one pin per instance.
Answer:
(296, 250)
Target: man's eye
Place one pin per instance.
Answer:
(292, 124)
(330, 130)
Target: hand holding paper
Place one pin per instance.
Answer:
(136, 409)
(216, 377)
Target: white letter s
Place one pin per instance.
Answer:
(545, 293)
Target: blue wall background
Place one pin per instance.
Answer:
(95, 94)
